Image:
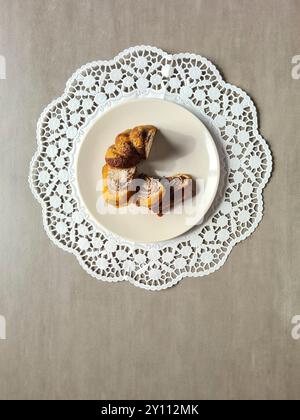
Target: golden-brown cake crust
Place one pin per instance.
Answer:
(142, 137)
(131, 146)
(124, 144)
(116, 160)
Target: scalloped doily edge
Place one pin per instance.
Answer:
(183, 275)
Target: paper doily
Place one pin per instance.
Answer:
(230, 115)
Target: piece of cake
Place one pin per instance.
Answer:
(142, 138)
(124, 144)
(117, 188)
(178, 188)
(130, 147)
(150, 194)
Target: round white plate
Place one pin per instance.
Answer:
(183, 144)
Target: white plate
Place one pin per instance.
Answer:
(183, 144)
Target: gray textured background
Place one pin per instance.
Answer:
(223, 336)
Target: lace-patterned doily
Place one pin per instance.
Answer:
(230, 115)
